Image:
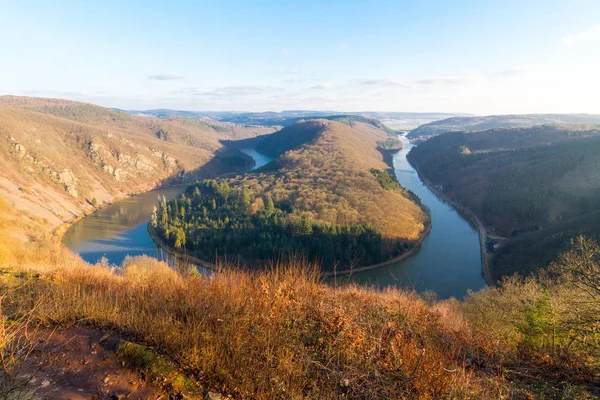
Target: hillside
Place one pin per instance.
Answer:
(537, 186)
(456, 124)
(58, 157)
(327, 196)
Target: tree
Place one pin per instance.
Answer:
(245, 198)
(154, 217)
(179, 238)
(581, 266)
(269, 206)
(95, 202)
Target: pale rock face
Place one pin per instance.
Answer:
(156, 154)
(144, 164)
(18, 150)
(124, 158)
(170, 162)
(119, 174)
(108, 169)
(67, 178)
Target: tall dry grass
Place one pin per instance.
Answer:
(272, 334)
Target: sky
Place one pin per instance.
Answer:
(480, 57)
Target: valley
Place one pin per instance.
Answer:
(404, 268)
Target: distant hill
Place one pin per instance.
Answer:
(57, 157)
(538, 186)
(399, 120)
(456, 124)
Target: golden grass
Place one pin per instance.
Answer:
(278, 333)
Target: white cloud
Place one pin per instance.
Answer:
(384, 82)
(291, 71)
(343, 46)
(165, 77)
(230, 91)
(590, 34)
(323, 86)
(439, 80)
(283, 52)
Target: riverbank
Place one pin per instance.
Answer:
(325, 274)
(413, 250)
(158, 241)
(468, 215)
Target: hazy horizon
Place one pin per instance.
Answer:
(444, 57)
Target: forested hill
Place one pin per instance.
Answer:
(329, 198)
(456, 124)
(539, 186)
(59, 158)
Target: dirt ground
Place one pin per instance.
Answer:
(80, 363)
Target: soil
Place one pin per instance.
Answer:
(80, 362)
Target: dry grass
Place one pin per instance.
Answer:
(273, 334)
(283, 333)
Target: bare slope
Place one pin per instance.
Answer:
(57, 156)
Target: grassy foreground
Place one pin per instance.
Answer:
(284, 334)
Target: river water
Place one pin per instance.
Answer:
(448, 264)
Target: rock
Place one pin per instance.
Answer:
(108, 169)
(144, 164)
(67, 178)
(18, 150)
(213, 396)
(119, 174)
(124, 158)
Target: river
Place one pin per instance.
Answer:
(448, 264)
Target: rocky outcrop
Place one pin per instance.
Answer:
(67, 178)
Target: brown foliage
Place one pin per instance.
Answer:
(329, 178)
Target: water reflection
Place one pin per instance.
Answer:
(119, 229)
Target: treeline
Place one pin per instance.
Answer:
(213, 220)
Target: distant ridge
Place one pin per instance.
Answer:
(288, 117)
(456, 124)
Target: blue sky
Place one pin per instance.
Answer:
(482, 57)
